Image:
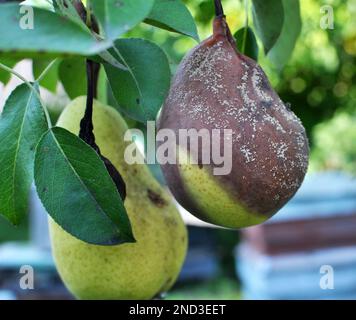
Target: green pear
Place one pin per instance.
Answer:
(140, 270)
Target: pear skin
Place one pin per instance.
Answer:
(140, 270)
(218, 88)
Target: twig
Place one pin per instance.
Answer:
(45, 71)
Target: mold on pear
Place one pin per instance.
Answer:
(217, 87)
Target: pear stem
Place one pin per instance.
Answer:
(86, 124)
(219, 10)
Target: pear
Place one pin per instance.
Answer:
(140, 270)
(217, 87)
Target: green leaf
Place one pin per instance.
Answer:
(52, 35)
(283, 49)
(173, 15)
(67, 9)
(205, 12)
(72, 73)
(268, 18)
(246, 42)
(77, 190)
(5, 76)
(50, 80)
(106, 57)
(102, 94)
(140, 91)
(119, 16)
(22, 124)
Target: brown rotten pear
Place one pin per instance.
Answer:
(217, 87)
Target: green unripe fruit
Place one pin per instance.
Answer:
(138, 270)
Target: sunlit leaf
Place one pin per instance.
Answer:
(22, 123)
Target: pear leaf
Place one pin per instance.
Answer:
(268, 19)
(283, 49)
(72, 73)
(173, 15)
(32, 32)
(5, 76)
(116, 17)
(22, 123)
(77, 190)
(68, 10)
(141, 90)
(247, 43)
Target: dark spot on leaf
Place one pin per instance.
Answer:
(45, 149)
(44, 190)
(138, 101)
(156, 198)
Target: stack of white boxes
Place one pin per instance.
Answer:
(307, 250)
